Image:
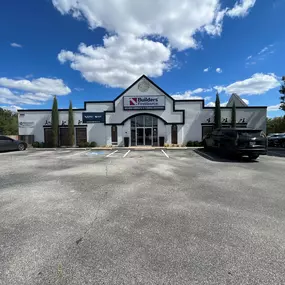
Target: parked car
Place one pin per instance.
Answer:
(277, 140)
(7, 143)
(237, 141)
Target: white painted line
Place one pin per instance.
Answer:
(165, 153)
(111, 153)
(126, 153)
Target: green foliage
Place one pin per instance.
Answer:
(70, 125)
(234, 117)
(93, 144)
(54, 122)
(193, 143)
(282, 92)
(84, 144)
(217, 112)
(276, 125)
(8, 122)
(36, 144)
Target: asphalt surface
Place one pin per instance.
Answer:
(146, 217)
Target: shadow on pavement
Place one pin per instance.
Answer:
(275, 151)
(219, 157)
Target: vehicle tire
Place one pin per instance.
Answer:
(253, 156)
(21, 147)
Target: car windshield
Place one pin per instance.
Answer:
(249, 134)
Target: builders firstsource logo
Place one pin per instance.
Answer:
(144, 102)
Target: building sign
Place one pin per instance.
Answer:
(26, 124)
(144, 102)
(93, 117)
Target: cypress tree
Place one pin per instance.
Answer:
(54, 122)
(70, 125)
(234, 115)
(217, 112)
(282, 92)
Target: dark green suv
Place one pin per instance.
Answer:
(238, 141)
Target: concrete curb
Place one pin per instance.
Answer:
(114, 148)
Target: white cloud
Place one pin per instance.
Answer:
(188, 95)
(177, 23)
(206, 69)
(120, 62)
(273, 108)
(261, 55)
(207, 98)
(12, 108)
(78, 89)
(33, 92)
(45, 85)
(132, 29)
(257, 84)
(245, 101)
(219, 70)
(263, 50)
(16, 45)
(213, 104)
(241, 8)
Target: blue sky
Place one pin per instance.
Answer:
(87, 50)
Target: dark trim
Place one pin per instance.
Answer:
(249, 107)
(75, 126)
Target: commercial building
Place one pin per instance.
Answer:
(143, 114)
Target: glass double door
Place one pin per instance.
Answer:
(144, 136)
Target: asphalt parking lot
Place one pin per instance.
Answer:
(140, 217)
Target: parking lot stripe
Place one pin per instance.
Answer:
(165, 153)
(111, 153)
(126, 153)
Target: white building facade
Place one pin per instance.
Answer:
(143, 114)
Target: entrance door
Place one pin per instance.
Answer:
(148, 136)
(114, 134)
(140, 136)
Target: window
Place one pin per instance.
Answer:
(174, 134)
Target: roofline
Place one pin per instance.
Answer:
(126, 90)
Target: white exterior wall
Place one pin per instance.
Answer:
(120, 115)
(195, 116)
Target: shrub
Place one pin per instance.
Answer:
(189, 143)
(195, 143)
(41, 145)
(93, 144)
(81, 144)
(166, 145)
(36, 144)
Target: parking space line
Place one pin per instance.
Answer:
(126, 153)
(111, 153)
(165, 153)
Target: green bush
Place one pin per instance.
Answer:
(81, 144)
(189, 143)
(93, 144)
(36, 144)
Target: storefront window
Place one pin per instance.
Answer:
(139, 121)
(148, 121)
(154, 121)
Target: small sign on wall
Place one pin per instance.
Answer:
(91, 117)
(26, 124)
